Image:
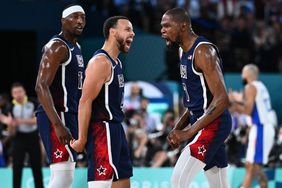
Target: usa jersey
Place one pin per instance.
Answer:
(197, 95)
(108, 104)
(67, 84)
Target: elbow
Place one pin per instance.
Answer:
(36, 88)
(39, 89)
(225, 102)
(248, 112)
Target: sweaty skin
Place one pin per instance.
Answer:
(207, 62)
(55, 53)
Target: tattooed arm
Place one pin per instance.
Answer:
(207, 62)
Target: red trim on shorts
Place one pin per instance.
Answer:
(59, 152)
(200, 148)
(103, 169)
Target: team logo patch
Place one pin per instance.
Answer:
(201, 150)
(80, 60)
(183, 71)
(58, 154)
(101, 170)
(121, 80)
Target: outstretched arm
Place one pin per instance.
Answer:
(97, 73)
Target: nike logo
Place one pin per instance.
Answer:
(72, 49)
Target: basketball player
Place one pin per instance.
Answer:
(58, 87)
(206, 100)
(100, 109)
(256, 104)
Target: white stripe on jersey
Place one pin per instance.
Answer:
(66, 146)
(107, 86)
(202, 79)
(64, 88)
(64, 74)
(110, 149)
(107, 91)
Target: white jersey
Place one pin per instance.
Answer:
(261, 134)
(262, 106)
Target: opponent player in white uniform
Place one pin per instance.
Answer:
(257, 104)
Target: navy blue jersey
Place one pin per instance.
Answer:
(67, 84)
(108, 104)
(197, 95)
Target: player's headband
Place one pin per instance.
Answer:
(72, 9)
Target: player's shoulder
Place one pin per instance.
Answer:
(100, 58)
(205, 48)
(251, 88)
(55, 44)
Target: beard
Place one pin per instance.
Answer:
(174, 44)
(121, 44)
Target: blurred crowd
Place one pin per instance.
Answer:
(244, 30)
(146, 135)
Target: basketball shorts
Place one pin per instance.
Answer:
(208, 145)
(55, 151)
(108, 152)
(260, 142)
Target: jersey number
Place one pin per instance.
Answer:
(80, 78)
(267, 104)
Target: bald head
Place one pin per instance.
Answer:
(250, 72)
(179, 15)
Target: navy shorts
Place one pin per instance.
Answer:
(208, 145)
(57, 152)
(108, 152)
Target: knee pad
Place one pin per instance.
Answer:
(217, 177)
(62, 174)
(185, 169)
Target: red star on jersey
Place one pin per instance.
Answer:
(201, 150)
(58, 154)
(101, 170)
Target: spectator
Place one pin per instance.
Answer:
(5, 130)
(149, 121)
(275, 156)
(132, 102)
(137, 138)
(26, 139)
(160, 153)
